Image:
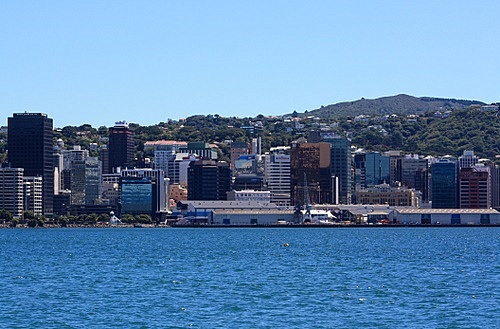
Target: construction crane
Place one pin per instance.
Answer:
(306, 218)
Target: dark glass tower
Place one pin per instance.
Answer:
(30, 146)
(208, 180)
(121, 147)
(444, 184)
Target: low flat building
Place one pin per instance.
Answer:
(447, 216)
(250, 217)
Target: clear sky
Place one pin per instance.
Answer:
(100, 61)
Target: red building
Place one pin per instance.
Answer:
(475, 188)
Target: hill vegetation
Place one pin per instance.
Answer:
(417, 129)
(399, 104)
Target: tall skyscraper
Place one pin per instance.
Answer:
(495, 186)
(371, 169)
(121, 147)
(310, 173)
(277, 175)
(444, 184)
(341, 167)
(30, 146)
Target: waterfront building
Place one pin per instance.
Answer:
(277, 174)
(143, 191)
(121, 147)
(444, 184)
(77, 181)
(390, 195)
(11, 190)
(495, 186)
(32, 194)
(340, 168)
(208, 180)
(475, 188)
(93, 185)
(310, 173)
(445, 216)
(249, 195)
(30, 146)
(231, 213)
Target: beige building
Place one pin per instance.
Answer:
(392, 196)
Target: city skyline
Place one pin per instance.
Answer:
(88, 62)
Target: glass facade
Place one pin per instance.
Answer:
(444, 184)
(136, 195)
(377, 169)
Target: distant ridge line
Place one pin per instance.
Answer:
(399, 104)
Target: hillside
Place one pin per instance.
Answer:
(399, 104)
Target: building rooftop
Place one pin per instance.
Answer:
(407, 210)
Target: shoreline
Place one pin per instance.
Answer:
(162, 226)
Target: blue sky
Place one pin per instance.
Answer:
(98, 62)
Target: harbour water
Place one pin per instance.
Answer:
(249, 278)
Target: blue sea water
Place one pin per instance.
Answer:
(248, 278)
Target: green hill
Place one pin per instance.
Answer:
(399, 104)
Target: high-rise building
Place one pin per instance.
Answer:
(475, 189)
(377, 169)
(444, 175)
(371, 169)
(208, 180)
(394, 158)
(495, 186)
(11, 190)
(310, 173)
(121, 148)
(277, 175)
(30, 146)
(341, 167)
(32, 194)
